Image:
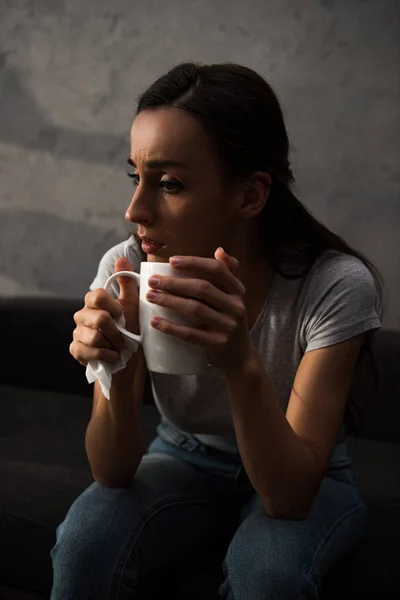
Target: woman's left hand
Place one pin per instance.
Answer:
(214, 300)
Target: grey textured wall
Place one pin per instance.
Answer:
(69, 75)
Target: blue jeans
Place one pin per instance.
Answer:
(185, 498)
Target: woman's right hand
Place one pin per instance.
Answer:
(96, 336)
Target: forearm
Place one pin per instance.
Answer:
(280, 465)
(113, 436)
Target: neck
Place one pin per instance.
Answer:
(256, 275)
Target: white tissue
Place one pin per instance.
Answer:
(104, 371)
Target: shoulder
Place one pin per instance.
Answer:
(332, 268)
(339, 300)
(336, 277)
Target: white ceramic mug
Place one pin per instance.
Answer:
(164, 353)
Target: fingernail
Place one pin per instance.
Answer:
(155, 321)
(152, 294)
(154, 281)
(175, 261)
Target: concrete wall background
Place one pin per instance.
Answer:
(70, 72)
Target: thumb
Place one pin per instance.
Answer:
(230, 261)
(127, 285)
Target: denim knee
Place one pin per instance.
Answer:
(262, 576)
(81, 527)
(88, 546)
(260, 570)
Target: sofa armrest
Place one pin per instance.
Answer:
(36, 334)
(381, 417)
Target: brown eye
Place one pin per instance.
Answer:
(171, 187)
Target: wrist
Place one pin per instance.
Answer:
(249, 365)
(124, 379)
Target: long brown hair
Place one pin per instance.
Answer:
(243, 117)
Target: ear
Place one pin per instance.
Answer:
(254, 194)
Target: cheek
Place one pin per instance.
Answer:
(200, 220)
(208, 205)
(204, 234)
(203, 217)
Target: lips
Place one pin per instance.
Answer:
(150, 246)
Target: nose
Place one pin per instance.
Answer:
(140, 211)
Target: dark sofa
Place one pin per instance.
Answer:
(45, 405)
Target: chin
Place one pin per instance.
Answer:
(157, 258)
(162, 255)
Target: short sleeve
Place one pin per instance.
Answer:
(341, 302)
(129, 249)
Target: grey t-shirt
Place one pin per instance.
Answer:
(335, 301)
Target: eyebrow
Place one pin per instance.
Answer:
(158, 164)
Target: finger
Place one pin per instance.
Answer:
(230, 261)
(197, 312)
(127, 286)
(103, 321)
(91, 337)
(101, 299)
(190, 334)
(84, 354)
(199, 290)
(213, 271)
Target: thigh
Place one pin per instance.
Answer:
(112, 538)
(278, 558)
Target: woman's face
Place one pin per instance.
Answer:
(180, 198)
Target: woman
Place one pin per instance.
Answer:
(252, 453)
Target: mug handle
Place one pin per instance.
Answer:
(136, 277)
